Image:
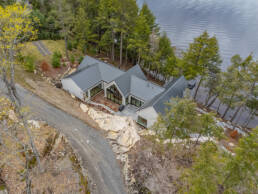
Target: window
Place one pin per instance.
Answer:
(142, 121)
(114, 95)
(127, 100)
(96, 90)
(136, 102)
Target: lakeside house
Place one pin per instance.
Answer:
(130, 88)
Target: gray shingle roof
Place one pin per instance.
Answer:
(124, 81)
(91, 71)
(86, 77)
(173, 89)
(143, 89)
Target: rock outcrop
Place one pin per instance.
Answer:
(84, 107)
(122, 131)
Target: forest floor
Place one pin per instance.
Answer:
(154, 167)
(62, 171)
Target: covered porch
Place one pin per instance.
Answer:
(101, 99)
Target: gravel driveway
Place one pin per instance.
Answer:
(94, 150)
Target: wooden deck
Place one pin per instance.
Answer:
(100, 98)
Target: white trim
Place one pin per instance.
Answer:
(114, 83)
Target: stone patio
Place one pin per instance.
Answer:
(100, 98)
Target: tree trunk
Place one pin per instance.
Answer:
(12, 94)
(121, 49)
(199, 84)
(235, 114)
(249, 119)
(126, 57)
(212, 102)
(197, 140)
(113, 47)
(66, 48)
(207, 99)
(27, 175)
(139, 59)
(218, 108)
(228, 107)
(226, 111)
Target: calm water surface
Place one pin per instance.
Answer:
(234, 22)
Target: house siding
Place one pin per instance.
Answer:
(70, 86)
(149, 114)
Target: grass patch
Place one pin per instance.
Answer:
(31, 50)
(21, 74)
(2, 187)
(50, 142)
(52, 45)
(83, 179)
(55, 45)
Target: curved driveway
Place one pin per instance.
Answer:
(94, 150)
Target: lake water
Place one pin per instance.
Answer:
(234, 22)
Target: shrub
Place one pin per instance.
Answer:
(20, 58)
(70, 46)
(29, 63)
(81, 59)
(44, 66)
(72, 59)
(56, 59)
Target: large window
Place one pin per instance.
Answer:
(142, 121)
(96, 90)
(136, 102)
(114, 95)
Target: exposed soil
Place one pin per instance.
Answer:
(62, 172)
(60, 99)
(154, 168)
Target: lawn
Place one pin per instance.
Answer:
(31, 50)
(51, 45)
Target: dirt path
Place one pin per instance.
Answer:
(42, 48)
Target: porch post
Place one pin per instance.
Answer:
(105, 90)
(89, 97)
(123, 100)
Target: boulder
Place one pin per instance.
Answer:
(119, 149)
(112, 135)
(84, 107)
(122, 130)
(231, 144)
(34, 123)
(12, 116)
(72, 71)
(73, 96)
(128, 137)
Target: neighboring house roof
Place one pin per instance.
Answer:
(91, 71)
(143, 89)
(174, 88)
(124, 81)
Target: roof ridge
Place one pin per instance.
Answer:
(149, 82)
(98, 68)
(166, 90)
(111, 65)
